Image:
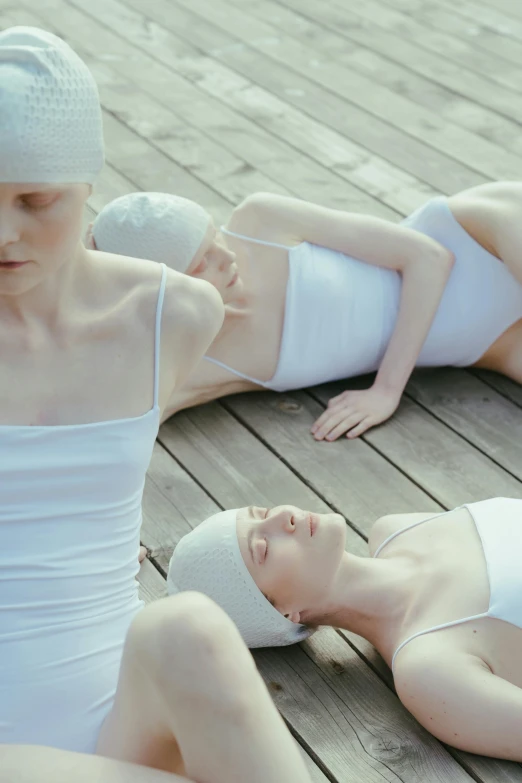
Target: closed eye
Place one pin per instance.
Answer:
(37, 203)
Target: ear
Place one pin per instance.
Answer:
(294, 617)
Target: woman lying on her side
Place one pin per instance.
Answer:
(91, 348)
(313, 294)
(439, 598)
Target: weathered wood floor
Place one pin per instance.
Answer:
(373, 106)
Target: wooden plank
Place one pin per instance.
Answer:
(506, 387)
(351, 711)
(458, 94)
(226, 151)
(451, 470)
(477, 412)
(508, 7)
(409, 154)
(452, 31)
(490, 16)
(347, 159)
(352, 477)
(479, 154)
(235, 467)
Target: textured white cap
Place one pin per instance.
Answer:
(51, 126)
(156, 226)
(209, 560)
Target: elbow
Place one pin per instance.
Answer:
(446, 258)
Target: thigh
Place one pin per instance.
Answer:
(136, 730)
(505, 355)
(36, 764)
(191, 701)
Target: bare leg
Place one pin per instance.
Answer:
(505, 355)
(34, 764)
(191, 701)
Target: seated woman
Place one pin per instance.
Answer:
(92, 346)
(313, 294)
(439, 599)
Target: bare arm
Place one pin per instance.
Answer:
(193, 315)
(463, 703)
(423, 264)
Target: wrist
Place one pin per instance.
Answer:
(391, 388)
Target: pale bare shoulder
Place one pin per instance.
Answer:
(193, 314)
(192, 311)
(266, 216)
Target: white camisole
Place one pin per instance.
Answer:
(499, 525)
(340, 312)
(70, 518)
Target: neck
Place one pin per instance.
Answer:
(369, 597)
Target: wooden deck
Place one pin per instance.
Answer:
(373, 106)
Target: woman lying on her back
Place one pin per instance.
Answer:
(439, 598)
(313, 294)
(91, 348)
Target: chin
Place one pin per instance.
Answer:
(335, 528)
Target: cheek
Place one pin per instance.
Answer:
(57, 229)
(290, 572)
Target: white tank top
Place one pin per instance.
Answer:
(499, 525)
(70, 518)
(340, 312)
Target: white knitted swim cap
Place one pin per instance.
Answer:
(209, 561)
(51, 126)
(156, 226)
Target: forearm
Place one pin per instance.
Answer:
(423, 284)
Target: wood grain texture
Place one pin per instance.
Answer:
(374, 107)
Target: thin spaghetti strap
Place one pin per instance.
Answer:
(236, 372)
(437, 628)
(157, 337)
(409, 527)
(255, 241)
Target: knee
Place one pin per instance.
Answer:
(188, 629)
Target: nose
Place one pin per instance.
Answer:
(9, 232)
(282, 519)
(226, 261)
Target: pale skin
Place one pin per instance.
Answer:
(255, 301)
(67, 315)
(464, 683)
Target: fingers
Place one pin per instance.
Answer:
(362, 427)
(335, 422)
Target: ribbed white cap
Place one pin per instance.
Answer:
(209, 560)
(51, 125)
(156, 226)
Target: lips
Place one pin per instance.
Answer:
(313, 522)
(234, 280)
(12, 264)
